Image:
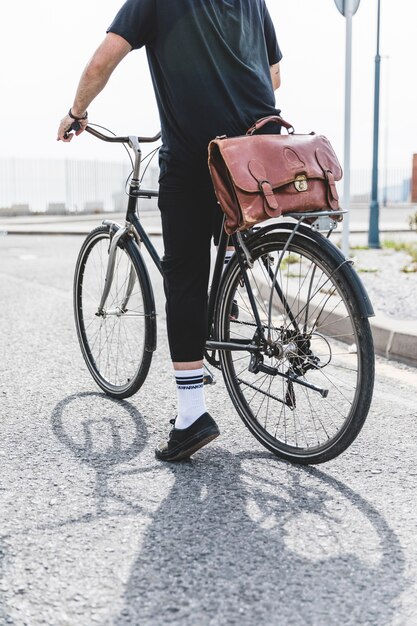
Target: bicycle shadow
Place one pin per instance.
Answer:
(239, 538)
(103, 459)
(229, 545)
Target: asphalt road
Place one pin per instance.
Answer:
(93, 530)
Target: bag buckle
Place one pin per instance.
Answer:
(261, 184)
(268, 193)
(300, 183)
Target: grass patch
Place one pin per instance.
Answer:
(408, 248)
(290, 259)
(401, 246)
(398, 246)
(290, 275)
(367, 270)
(412, 221)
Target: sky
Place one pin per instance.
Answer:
(45, 45)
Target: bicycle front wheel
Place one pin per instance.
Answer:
(305, 387)
(117, 342)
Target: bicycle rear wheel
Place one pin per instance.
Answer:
(116, 343)
(306, 388)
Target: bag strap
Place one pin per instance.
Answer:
(332, 195)
(257, 170)
(266, 120)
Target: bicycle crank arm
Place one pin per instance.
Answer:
(121, 313)
(323, 392)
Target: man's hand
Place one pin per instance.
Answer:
(65, 126)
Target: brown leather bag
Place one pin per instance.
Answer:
(258, 177)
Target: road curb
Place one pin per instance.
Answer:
(395, 339)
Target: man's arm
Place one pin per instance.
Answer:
(94, 78)
(275, 76)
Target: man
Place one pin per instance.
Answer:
(214, 66)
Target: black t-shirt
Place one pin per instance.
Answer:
(209, 61)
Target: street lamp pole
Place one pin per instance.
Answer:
(348, 11)
(373, 234)
(347, 8)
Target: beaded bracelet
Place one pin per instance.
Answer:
(84, 117)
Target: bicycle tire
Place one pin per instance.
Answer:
(319, 336)
(118, 344)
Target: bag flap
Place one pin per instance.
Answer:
(281, 157)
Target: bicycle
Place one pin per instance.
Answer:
(288, 324)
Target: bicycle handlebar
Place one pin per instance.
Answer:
(99, 135)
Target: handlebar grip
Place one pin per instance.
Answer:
(74, 126)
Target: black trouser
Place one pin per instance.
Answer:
(190, 218)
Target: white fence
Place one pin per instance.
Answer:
(63, 186)
(394, 185)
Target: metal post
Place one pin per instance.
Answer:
(386, 135)
(346, 157)
(347, 8)
(373, 235)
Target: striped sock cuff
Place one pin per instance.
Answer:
(190, 392)
(190, 382)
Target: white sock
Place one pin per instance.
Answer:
(191, 400)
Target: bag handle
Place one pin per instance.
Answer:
(271, 118)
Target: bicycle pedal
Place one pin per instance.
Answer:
(208, 379)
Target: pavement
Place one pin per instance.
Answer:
(95, 531)
(393, 338)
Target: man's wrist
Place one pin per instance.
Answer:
(74, 115)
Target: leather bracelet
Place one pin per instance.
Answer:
(84, 117)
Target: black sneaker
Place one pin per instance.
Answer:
(183, 442)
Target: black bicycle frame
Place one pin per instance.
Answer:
(243, 257)
(135, 192)
(132, 216)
